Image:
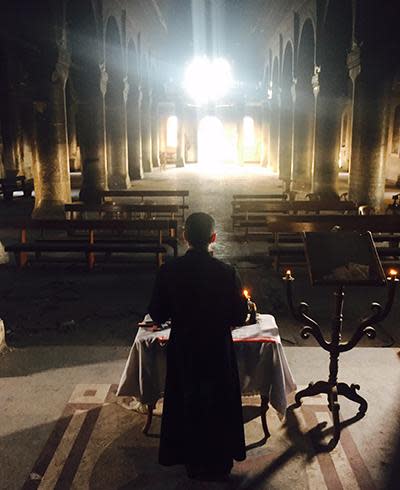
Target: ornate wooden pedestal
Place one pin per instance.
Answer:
(332, 388)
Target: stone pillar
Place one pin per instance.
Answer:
(10, 132)
(117, 149)
(91, 122)
(240, 111)
(286, 136)
(134, 134)
(51, 172)
(180, 147)
(155, 133)
(146, 129)
(275, 127)
(304, 128)
(265, 131)
(326, 140)
(370, 128)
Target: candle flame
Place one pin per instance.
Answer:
(288, 272)
(246, 293)
(393, 272)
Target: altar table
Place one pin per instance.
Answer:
(263, 368)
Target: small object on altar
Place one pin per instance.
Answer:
(148, 324)
(251, 307)
(288, 276)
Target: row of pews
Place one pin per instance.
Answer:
(110, 228)
(280, 222)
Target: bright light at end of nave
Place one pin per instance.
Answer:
(208, 80)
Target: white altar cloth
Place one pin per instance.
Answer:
(263, 367)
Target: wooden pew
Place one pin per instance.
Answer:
(97, 236)
(80, 210)
(385, 230)
(9, 185)
(252, 214)
(143, 194)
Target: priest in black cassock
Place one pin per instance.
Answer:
(202, 423)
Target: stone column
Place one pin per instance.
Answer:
(369, 130)
(240, 111)
(328, 109)
(286, 136)
(155, 136)
(304, 134)
(265, 130)
(180, 147)
(134, 134)
(51, 172)
(275, 128)
(146, 129)
(118, 176)
(91, 121)
(10, 123)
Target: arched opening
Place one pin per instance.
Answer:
(275, 115)
(172, 133)
(117, 164)
(133, 116)
(249, 133)
(286, 119)
(304, 110)
(211, 141)
(85, 125)
(396, 132)
(334, 94)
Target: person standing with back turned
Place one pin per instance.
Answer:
(202, 423)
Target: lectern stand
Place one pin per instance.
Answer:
(340, 258)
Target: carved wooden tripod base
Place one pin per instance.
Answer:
(332, 392)
(332, 388)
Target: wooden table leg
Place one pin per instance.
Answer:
(264, 409)
(147, 425)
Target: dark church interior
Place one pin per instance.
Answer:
(199, 244)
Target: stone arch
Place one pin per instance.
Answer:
(275, 109)
(85, 119)
(286, 118)
(334, 92)
(133, 114)
(304, 109)
(116, 141)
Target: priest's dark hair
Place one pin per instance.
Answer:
(199, 228)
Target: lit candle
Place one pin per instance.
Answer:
(246, 294)
(288, 275)
(392, 275)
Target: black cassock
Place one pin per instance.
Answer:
(202, 419)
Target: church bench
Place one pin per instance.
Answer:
(81, 210)
(143, 194)
(248, 197)
(9, 185)
(102, 236)
(385, 231)
(253, 214)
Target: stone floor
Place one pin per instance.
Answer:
(69, 333)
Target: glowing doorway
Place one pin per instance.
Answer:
(211, 141)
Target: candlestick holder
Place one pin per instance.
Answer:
(332, 388)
